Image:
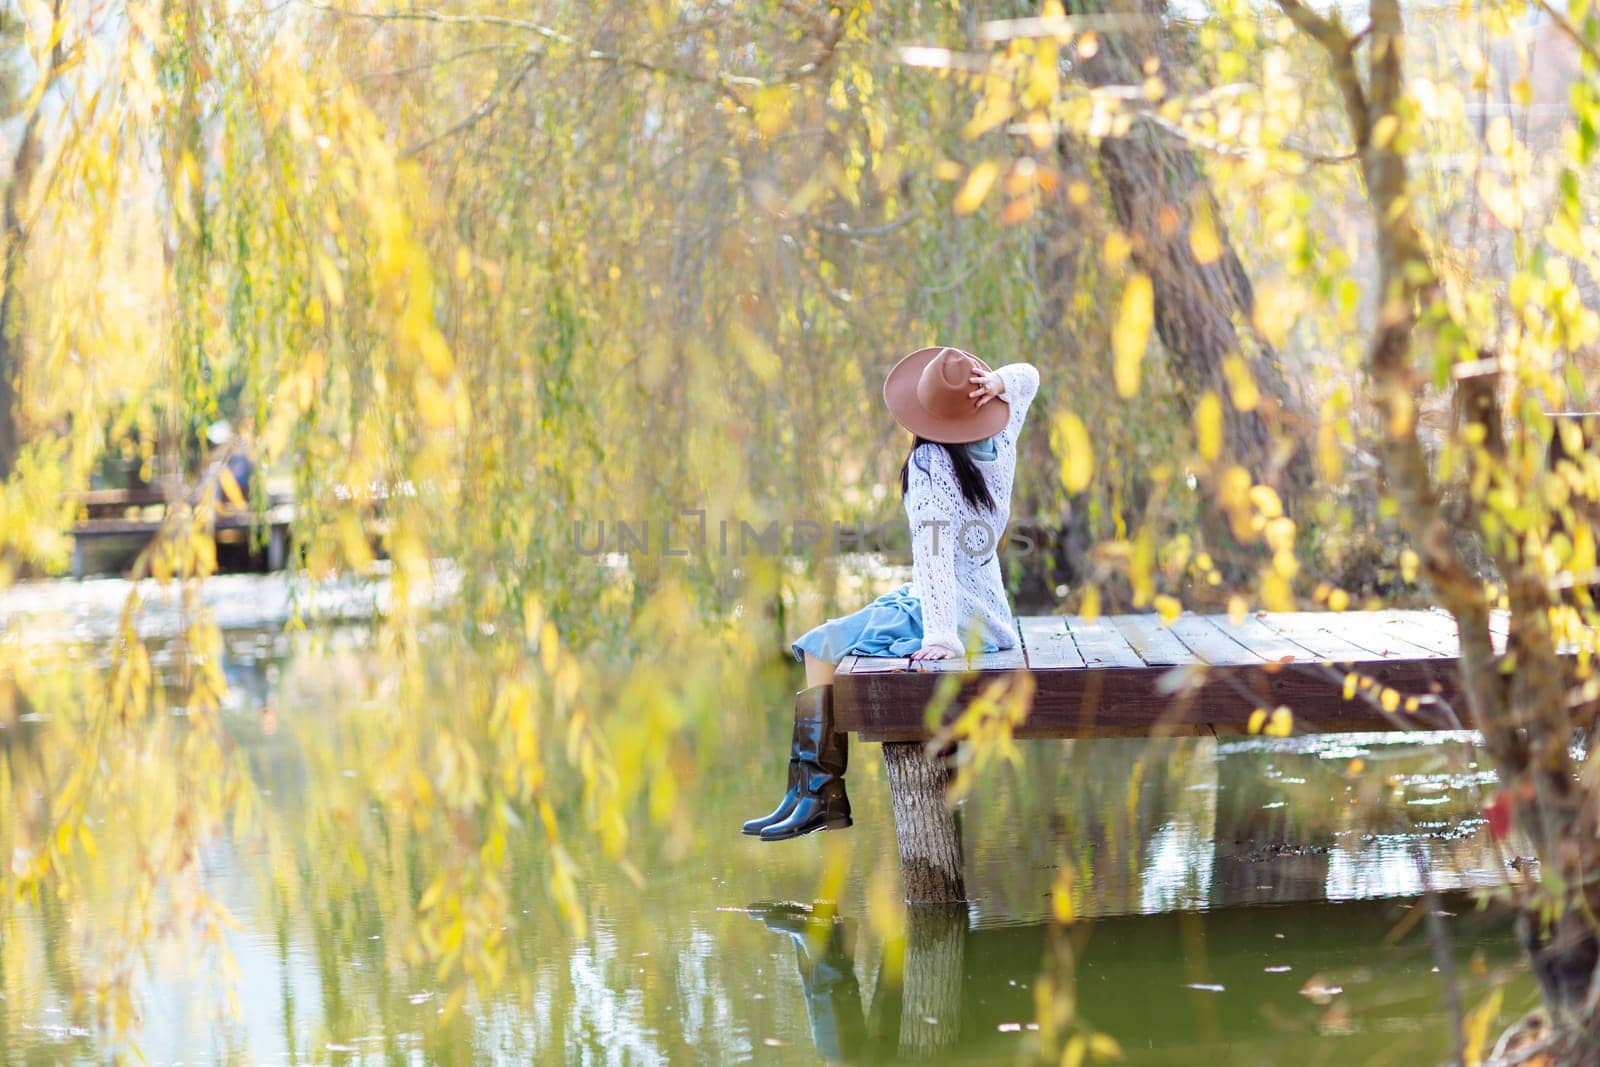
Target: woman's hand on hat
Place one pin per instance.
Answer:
(987, 385)
(933, 652)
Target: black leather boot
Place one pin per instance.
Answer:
(805, 708)
(822, 754)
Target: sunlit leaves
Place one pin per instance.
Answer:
(1242, 388)
(1130, 336)
(977, 186)
(1203, 239)
(1279, 722)
(1070, 441)
(1208, 426)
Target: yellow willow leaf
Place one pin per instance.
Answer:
(1104, 1047)
(1384, 129)
(1238, 608)
(1350, 681)
(1338, 600)
(1077, 454)
(332, 281)
(1116, 248)
(549, 647)
(1281, 724)
(230, 487)
(1266, 500)
(1389, 699)
(1241, 383)
(1330, 456)
(532, 616)
(1062, 905)
(1203, 239)
(436, 352)
(771, 109)
(433, 403)
(1089, 607)
(1258, 719)
(1409, 562)
(1208, 426)
(1131, 334)
(1169, 608)
(977, 187)
(1476, 1027)
(1016, 211)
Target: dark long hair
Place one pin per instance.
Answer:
(974, 490)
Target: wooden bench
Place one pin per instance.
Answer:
(1134, 675)
(137, 514)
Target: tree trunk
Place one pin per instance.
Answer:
(1158, 191)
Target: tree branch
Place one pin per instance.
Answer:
(1570, 31)
(1341, 47)
(486, 107)
(729, 85)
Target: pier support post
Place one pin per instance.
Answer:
(277, 548)
(924, 825)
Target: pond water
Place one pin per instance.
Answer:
(1250, 901)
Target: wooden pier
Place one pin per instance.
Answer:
(1134, 675)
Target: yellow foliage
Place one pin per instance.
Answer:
(1072, 445)
(1130, 336)
(1208, 426)
(977, 186)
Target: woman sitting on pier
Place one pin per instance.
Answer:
(956, 483)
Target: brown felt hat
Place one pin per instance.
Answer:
(927, 394)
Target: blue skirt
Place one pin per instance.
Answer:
(889, 626)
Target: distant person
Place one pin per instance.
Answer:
(956, 483)
(238, 461)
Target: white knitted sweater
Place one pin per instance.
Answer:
(955, 563)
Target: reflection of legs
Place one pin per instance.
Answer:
(818, 756)
(833, 997)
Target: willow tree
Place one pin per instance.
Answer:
(463, 279)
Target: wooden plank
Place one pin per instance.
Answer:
(1432, 631)
(1212, 645)
(1310, 629)
(1048, 645)
(1116, 694)
(1133, 701)
(1363, 629)
(1007, 659)
(1157, 645)
(1101, 644)
(1262, 639)
(879, 665)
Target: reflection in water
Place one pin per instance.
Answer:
(1202, 873)
(828, 977)
(1269, 985)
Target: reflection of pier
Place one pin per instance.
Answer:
(1146, 826)
(1269, 984)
